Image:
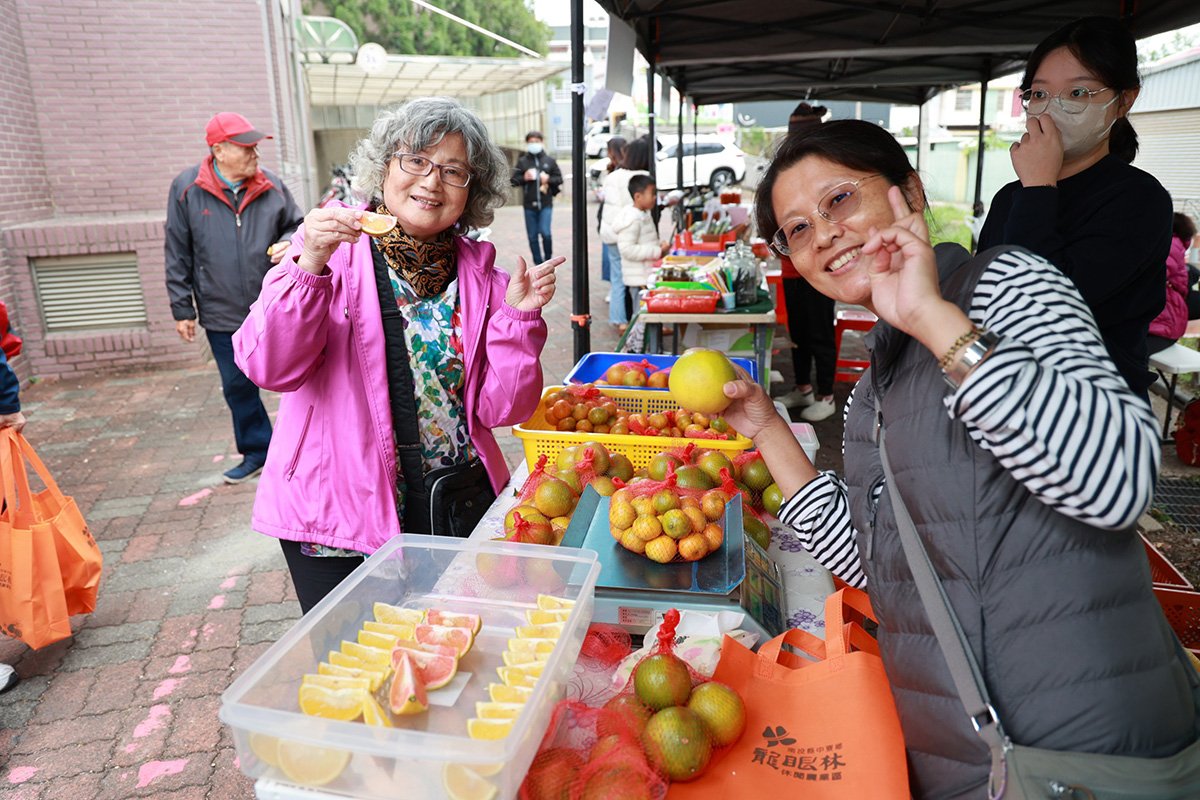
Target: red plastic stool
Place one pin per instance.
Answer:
(852, 320)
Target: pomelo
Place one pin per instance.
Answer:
(698, 379)
(407, 695)
(460, 639)
(433, 670)
(454, 620)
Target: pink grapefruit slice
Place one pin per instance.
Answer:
(433, 671)
(436, 617)
(407, 695)
(460, 639)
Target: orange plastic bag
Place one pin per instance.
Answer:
(822, 730)
(49, 563)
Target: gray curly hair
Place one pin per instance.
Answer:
(422, 123)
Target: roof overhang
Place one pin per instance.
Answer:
(400, 78)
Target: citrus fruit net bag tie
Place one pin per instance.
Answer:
(668, 724)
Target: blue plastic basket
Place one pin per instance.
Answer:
(593, 366)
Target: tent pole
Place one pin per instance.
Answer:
(695, 138)
(920, 125)
(580, 319)
(679, 152)
(977, 207)
(650, 117)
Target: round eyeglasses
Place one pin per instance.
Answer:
(837, 205)
(1073, 100)
(451, 174)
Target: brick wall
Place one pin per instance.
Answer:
(104, 103)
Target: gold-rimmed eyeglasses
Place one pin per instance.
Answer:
(837, 205)
(451, 174)
(1073, 100)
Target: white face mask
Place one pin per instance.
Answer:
(1081, 132)
(534, 148)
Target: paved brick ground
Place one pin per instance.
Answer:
(190, 595)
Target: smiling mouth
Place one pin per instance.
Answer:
(425, 202)
(842, 260)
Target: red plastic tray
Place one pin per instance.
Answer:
(1182, 608)
(1162, 571)
(685, 301)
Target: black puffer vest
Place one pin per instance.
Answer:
(1072, 644)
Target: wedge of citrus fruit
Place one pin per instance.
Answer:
(370, 656)
(384, 641)
(266, 748)
(395, 615)
(512, 659)
(501, 693)
(488, 729)
(548, 602)
(341, 704)
(336, 681)
(473, 621)
(548, 631)
(374, 677)
(433, 670)
(309, 764)
(373, 713)
(376, 224)
(407, 695)
(460, 639)
(485, 710)
(464, 783)
(541, 646)
(537, 616)
(517, 676)
(395, 630)
(412, 644)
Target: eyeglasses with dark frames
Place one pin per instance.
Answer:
(451, 174)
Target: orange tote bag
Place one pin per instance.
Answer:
(820, 728)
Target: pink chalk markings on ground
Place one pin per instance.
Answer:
(192, 499)
(182, 664)
(166, 687)
(153, 770)
(157, 717)
(218, 458)
(218, 601)
(21, 774)
(229, 583)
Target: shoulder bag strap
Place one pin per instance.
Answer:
(401, 393)
(951, 639)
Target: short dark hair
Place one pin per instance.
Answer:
(1106, 48)
(1182, 227)
(853, 143)
(534, 135)
(638, 184)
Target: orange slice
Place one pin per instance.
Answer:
(550, 630)
(508, 694)
(309, 764)
(336, 681)
(370, 656)
(463, 783)
(384, 641)
(394, 629)
(341, 704)
(540, 646)
(548, 602)
(373, 713)
(376, 224)
(485, 710)
(512, 659)
(537, 616)
(395, 615)
(374, 677)
(266, 748)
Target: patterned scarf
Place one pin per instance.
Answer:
(428, 267)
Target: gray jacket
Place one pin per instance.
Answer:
(1073, 646)
(216, 243)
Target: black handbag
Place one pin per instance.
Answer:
(448, 501)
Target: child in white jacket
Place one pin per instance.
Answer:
(637, 236)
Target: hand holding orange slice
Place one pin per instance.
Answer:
(376, 224)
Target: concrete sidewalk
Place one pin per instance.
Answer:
(190, 595)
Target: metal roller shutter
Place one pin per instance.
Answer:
(1170, 151)
(89, 292)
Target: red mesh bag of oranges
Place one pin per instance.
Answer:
(635, 375)
(677, 518)
(547, 499)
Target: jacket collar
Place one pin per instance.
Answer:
(252, 187)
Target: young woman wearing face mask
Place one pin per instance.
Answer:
(1077, 200)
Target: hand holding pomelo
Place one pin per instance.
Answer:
(697, 381)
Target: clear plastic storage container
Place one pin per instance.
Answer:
(500, 581)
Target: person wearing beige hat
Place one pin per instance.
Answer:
(223, 215)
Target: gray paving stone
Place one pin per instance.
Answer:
(275, 611)
(268, 631)
(119, 507)
(119, 653)
(112, 634)
(146, 574)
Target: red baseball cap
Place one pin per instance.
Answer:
(230, 127)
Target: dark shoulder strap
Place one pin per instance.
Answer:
(401, 393)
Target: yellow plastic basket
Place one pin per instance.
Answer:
(539, 437)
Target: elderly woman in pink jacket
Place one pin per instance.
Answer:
(1172, 321)
(365, 335)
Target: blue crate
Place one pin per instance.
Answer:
(593, 366)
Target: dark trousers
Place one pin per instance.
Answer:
(315, 576)
(251, 425)
(537, 227)
(810, 327)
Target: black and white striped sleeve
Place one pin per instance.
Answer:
(820, 516)
(1050, 404)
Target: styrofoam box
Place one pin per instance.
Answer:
(498, 580)
(804, 432)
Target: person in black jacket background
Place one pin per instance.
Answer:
(1078, 201)
(540, 179)
(222, 216)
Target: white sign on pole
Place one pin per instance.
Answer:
(618, 72)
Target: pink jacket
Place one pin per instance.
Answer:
(331, 468)
(1173, 319)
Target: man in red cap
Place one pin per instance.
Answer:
(222, 216)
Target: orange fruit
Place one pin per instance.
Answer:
(693, 547)
(309, 764)
(551, 774)
(713, 462)
(554, 498)
(696, 517)
(376, 224)
(644, 506)
(488, 729)
(647, 528)
(772, 499)
(677, 743)
(455, 620)
(494, 710)
(697, 380)
(662, 549)
(497, 570)
(370, 655)
(341, 704)
(464, 783)
(621, 467)
(714, 536)
(395, 615)
(662, 680)
(756, 475)
(621, 514)
(757, 530)
(664, 501)
(432, 669)
(601, 459)
(713, 503)
(676, 524)
(632, 542)
(603, 485)
(690, 477)
(722, 711)
(624, 714)
(548, 602)
(384, 641)
(659, 466)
